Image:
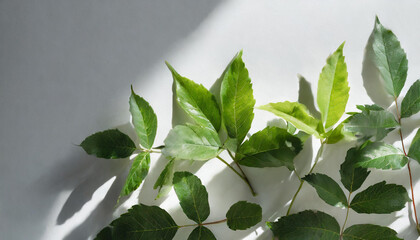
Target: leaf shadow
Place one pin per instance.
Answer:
(306, 96)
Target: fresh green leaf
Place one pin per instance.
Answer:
(196, 101)
(306, 225)
(372, 123)
(243, 215)
(237, 99)
(411, 103)
(333, 88)
(270, 147)
(327, 189)
(414, 151)
(144, 120)
(192, 196)
(137, 173)
(297, 114)
(339, 133)
(352, 177)
(381, 155)
(109, 144)
(143, 222)
(390, 59)
(192, 142)
(380, 198)
(201, 233)
(369, 232)
(164, 181)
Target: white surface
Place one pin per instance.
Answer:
(66, 69)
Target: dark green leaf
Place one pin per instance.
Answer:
(143, 222)
(192, 196)
(104, 234)
(196, 101)
(270, 147)
(237, 99)
(369, 232)
(390, 59)
(164, 181)
(297, 114)
(137, 174)
(411, 103)
(380, 198)
(306, 225)
(144, 120)
(381, 156)
(327, 189)
(352, 177)
(109, 144)
(192, 142)
(243, 215)
(414, 151)
(372, 123)
(333, 88)
(201, 233)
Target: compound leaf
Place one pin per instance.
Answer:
(243, 215)
(327, 189)
(411, 103)
(201, 233)
(381, 155)
(369, 232)
(138, 172)
(352, 177)
(164, 181)
(414, 151)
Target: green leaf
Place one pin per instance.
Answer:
(411, 103)
(333, 88)
(144, 120)
(327, 189)
(243, 215)
(372, 123)
(201, 233)
(390, 59)
(109, 144)
(352, 177)
(104, 234)
(137, 173)
(414, 151)
(297, 114)
(381, 155)
(340, 134)
(237, 99)
(192, 196)
(192, 143)
(369, 232)
(196, 101)
(306, 225)
(380, 198)
(143, 222)
(270, 147)
(164, 181)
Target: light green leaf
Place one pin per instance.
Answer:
(380, 198)
(237, 99)
(164, 181)
(372, 123)
(192, 196)
(306, 225)
(297, 114)
(352, 177)
(411, 103)
(144, 120)
(381, 155)
(270, 147)
(369, 232)
(192, 142)
(327, 189)
(109, 144)
(243, 215)
(390, 59)
(201, 233)
(414, 151)
(137, 173)
(339, 133)
(333, 88)
(142, 222)
(196, 101)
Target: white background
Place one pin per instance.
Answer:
(65, 72)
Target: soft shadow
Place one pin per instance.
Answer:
(306, 96)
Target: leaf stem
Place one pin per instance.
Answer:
(237, 173)
(347, 216)
(408, 165)
(203, 224)
(243, 173)
(318, 155)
